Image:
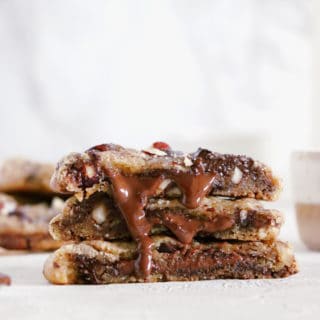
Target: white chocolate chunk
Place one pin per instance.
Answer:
(99, 214)
(243, 215)
(237, 176)
(187, 162)
(7, 207)
(57, 204)
(262, 234)
(90, 171)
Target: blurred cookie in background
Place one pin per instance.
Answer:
(27, 204)
(26, 176)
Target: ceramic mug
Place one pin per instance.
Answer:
(305, 172)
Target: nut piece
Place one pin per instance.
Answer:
(155, 151)
(164, 184)
(237, 176)
(161, 145)
(99, 213)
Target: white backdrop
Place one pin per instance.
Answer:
(229, 75)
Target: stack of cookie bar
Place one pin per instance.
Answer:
(160, 215)
(27, 204)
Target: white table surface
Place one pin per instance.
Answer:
(31, 297)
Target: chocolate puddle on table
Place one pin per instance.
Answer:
(5, 279)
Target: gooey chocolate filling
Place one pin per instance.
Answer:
(131, 193)
(83, 223)
(178, 260)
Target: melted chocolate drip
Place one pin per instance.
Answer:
(186, 229)
(131, 194)
(194, 187)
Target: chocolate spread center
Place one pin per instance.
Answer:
(131, 194)
(185, 229)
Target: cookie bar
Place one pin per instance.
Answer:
(99, 262)
(25, 226)
(227, 175)
(97, 218)
(174, 213)
(22, 175)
